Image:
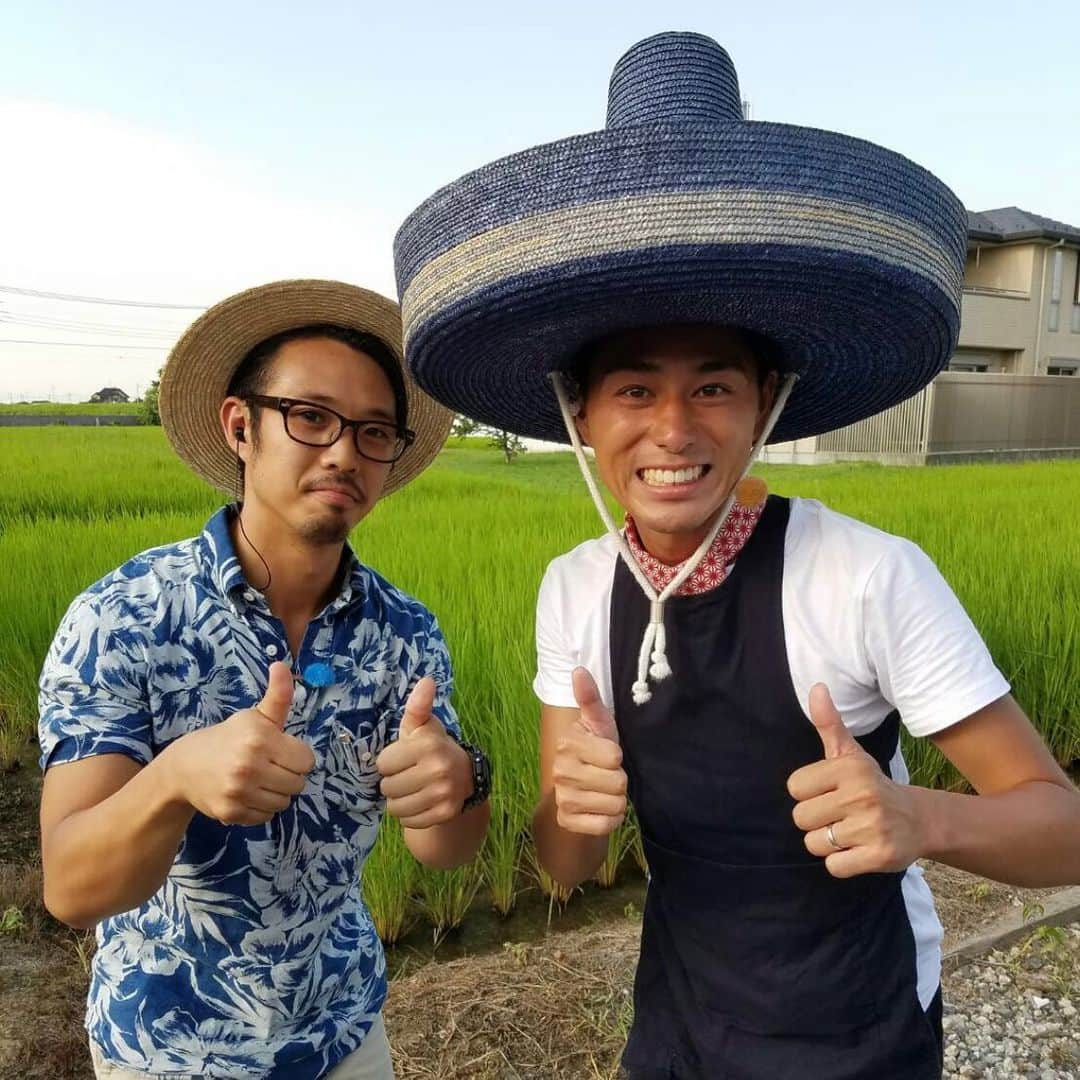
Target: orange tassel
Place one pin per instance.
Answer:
(751, 491)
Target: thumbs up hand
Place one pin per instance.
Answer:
(836, 740)
(854, 816)
(277, 701)
(245, 769)
(418, 708)
(426, 775)
(589, 781)
(596, 717)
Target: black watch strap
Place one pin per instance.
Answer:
(481, 768)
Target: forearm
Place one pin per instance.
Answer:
(113, 856)
(453, 843)
(569, 857)
(1029, 836)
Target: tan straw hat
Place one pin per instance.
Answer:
(202, 363)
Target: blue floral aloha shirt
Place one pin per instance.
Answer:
(257, 957)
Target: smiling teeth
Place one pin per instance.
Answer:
(661, 477)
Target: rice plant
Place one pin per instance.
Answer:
(388, 878)
(471, 539)
(501, 858)
(620, 843)
(445, 896)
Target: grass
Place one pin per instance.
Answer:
(471, 538)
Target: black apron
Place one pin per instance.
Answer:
(756, 963)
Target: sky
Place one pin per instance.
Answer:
(173, 154)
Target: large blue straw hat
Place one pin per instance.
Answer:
(847, 255)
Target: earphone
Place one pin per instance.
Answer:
(239, 433)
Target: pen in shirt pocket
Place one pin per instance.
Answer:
(365, 758)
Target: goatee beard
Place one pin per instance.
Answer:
(325, 531)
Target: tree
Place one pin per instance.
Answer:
(506, 441)
(464, 425)
(151, 414)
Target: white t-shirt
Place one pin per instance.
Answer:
(866, 613)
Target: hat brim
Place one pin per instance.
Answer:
(847, 255)
(201, 365)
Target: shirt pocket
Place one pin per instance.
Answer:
(346, 748)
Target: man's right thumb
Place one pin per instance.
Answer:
(277, 701)
(596, 717)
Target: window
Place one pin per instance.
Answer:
(967, 365)
(1062, 367)
(1076, 298)
(1055, 280)
(1054, 317)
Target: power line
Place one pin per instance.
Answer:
(80, 326)
(7, 316)
(83, 345)
(98, 299)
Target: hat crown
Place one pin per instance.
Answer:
(676, 78)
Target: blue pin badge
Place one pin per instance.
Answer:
(318, 674)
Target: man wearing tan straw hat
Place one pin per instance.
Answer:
(223, 720)
(678, 289)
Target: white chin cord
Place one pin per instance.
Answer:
(652, 658)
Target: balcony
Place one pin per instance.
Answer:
(1001, 319)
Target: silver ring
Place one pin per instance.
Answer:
(831, 837)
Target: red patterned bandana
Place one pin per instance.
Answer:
(716, 563)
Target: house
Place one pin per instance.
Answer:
(110, 395)
(1002, 395)
(1021, 304)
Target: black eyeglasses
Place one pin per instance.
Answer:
(317, 425)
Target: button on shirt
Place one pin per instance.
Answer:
(257, 957)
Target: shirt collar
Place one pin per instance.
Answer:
(353, 581)
(219, 556)
(223, 566)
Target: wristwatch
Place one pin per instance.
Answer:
(481, 771)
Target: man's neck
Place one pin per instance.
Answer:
(303, 577)
(671, 548)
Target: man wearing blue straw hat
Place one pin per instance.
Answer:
(225, 720)
(677, 290)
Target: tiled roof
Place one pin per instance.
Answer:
(1012, 223)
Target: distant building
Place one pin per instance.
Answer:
(1002, 395)
(110, 395)
(1021, 305)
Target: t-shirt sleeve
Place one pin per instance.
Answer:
(91, 695)
(929, 660)
(555, 658)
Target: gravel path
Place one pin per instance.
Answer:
(1013, 1012)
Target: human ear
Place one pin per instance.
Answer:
(236, 425)
(581, 422)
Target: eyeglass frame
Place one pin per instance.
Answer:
(406, 436)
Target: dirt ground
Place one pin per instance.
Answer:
(560, 1009)
(556, 1009)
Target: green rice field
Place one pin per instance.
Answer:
(60, 408)
(471, 538)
